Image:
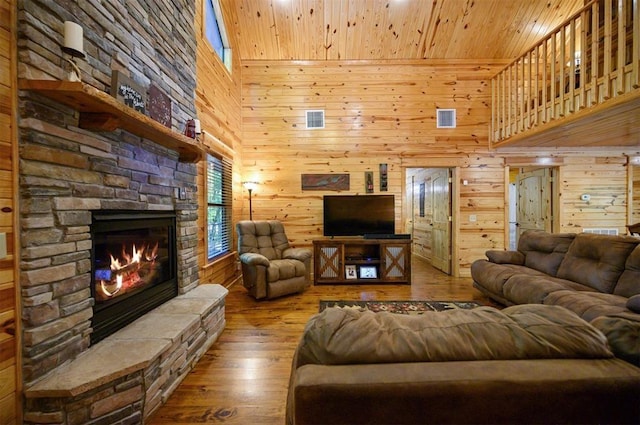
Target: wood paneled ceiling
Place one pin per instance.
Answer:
(391, 29)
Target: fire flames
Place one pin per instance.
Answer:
(130, 270)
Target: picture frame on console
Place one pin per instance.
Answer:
(350, 271)
(368, 272)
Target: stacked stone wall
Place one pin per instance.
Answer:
(67, 172)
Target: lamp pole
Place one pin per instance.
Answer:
(250, 186)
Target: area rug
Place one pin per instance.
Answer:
(400, 307)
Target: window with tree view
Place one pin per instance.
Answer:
(218, 207)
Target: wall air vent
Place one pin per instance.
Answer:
(315, 119)
(446, 118)
(601, 231)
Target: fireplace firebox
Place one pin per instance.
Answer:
(134, 266)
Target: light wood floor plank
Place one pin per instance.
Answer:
(243, 378)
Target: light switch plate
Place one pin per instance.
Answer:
(3, 245)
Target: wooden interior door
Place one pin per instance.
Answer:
(534, 200)
(441, 233)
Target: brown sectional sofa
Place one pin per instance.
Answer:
(595, 276)
(523, 364)
(551, 356)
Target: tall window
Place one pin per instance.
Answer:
(215, 31)
(219, 236)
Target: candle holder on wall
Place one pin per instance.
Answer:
(383, 178)
(73, 46)
(368, 181)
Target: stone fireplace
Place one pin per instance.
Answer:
(83, 193)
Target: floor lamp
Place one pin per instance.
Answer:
(250, 186)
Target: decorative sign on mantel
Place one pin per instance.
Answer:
(159, 106)
(128, 91)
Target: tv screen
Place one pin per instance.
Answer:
(357, 215)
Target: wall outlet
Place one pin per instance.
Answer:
(473, 218)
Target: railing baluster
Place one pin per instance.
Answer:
(572, 65)
(552, 81)
(545, 80)
(635, 72)
(563, 71)
(622, 43)
(582, 76)
(606, 71)
(530, 106)
(595, 45)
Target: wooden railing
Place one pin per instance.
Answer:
(588, 60)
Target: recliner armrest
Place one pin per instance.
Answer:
(301, 254)
(505, 257)
(254, 259)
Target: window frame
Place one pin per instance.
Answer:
(224, 166)
(219, 18)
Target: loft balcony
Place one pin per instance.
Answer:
(578, 87)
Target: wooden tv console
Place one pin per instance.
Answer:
(359, 260)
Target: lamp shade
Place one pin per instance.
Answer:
(250, 186)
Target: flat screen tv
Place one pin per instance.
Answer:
(358, 215)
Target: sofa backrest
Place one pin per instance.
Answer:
(544, 251)
(597, 261)
(629, 282)
(264, 237)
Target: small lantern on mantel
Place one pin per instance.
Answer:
(74, 47)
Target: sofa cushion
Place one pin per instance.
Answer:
(505, 257)
(633, 303)
(629, 282)
(285, 269)
(492, 276)
(588, 305)
(524, 289)
(264, 237)
(344, 336)
(597, 260)
(544, 251)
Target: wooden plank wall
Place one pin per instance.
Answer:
(376, 112)
(602, 177)
(218, 106)
(9, 375)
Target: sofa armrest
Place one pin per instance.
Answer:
(505, 257)
(254, 259)
(623, 333)
(301, 254)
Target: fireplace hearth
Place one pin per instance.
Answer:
(134, 264)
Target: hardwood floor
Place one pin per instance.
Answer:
(243, 378)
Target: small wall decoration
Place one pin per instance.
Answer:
(128, 91)
(383, 177)
(159, 106)
(422, 196)
(325, 181)
(368, 181)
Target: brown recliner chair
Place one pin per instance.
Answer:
(270, 266)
